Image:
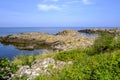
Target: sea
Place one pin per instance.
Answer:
(10, 52)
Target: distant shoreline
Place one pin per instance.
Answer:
(115, 31)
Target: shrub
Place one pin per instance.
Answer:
(24, 59)
(6, 69)
(116, 42)
(102, 44)
(68, 55)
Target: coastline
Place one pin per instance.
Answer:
(64, 40)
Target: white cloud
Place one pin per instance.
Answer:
(56, 5)
(45, 7)
(55, 0)
(71, 2)
(50, 0)
(87, 2)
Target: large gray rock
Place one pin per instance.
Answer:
(68, 32)
(41, 67)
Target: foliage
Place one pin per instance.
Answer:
(28, 59)
(24, 59)
(68, 55)
(102, 43)
(6, 68)
(116, 43)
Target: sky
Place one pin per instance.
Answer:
(59, 13)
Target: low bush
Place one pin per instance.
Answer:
(68, 55)
(116, 43)
(28, 59)
(104, 43)
(24, 59)
(6, 69)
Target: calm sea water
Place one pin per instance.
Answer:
(9, 51)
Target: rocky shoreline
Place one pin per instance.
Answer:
(115, 31)
(64, 40)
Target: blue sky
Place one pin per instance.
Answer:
(57, 13)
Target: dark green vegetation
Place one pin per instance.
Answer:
(98, 62)
(6, 69)
(104, 43)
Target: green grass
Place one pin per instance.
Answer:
(23, 59)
